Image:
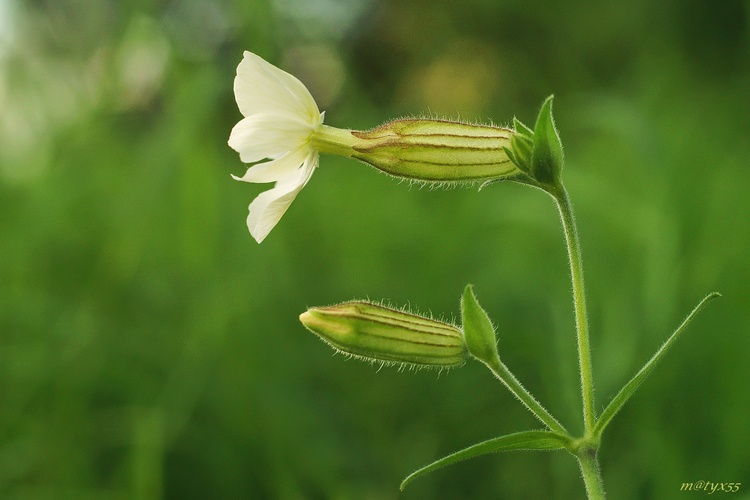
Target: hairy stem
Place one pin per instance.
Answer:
(592, 476)
(511, 382)
(579, 301)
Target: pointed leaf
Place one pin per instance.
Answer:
(479, 333)
(527, 440)
(629, 389)
(547, 158)
(520, 128)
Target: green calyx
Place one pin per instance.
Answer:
(378, 333)
(425, 150)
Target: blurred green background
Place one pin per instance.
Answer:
(149, 348)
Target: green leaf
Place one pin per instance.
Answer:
(629, 389)
(527, 440)
(479, 333)
(520, 128)
(521, 146)
(547, 158)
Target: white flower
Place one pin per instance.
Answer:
(280, 117)
(282, 135)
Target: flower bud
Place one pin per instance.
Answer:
(426, 150)
(379, 333)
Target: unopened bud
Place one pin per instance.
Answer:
(379, 333)
(426, 150)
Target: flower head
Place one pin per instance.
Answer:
(280, 117)
(282, 135)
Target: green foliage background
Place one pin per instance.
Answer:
(149, 348)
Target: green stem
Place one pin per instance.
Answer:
(592, 476)
(579, 302)
(505, 376)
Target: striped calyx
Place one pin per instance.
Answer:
(379, 333)
(436, 150)
(426, 150)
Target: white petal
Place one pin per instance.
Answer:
(274, 170)
(266, 210)
(261, 87)
(268, 136)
